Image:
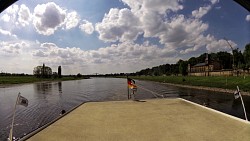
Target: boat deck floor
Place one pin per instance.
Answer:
(148, 120)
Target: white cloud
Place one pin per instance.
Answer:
(153, 24)
(145, 16)
(87, 27)
(56, 55)
(214, 1)
(123, 54)
(248, 18)
(130, 56)
(48, 17)
(15, 56)
(158, 6)
(201, 12)
(12, 9)
(10, 49)
(119, 25)
(218, 7)
(177, 33)
(161, 6)
(219, 45)
(39, 53)
(7, 33)
(24, 15)
(122, 57)
(10, 14)
(5, 18)
(183, 33)
(72, 20)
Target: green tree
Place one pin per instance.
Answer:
(201, 58)
(192, 61)
(42, 71)
(238, 58)
(79, 75)
(155, 71)
(213, 56)
(246, 55)
(225, 59)
(183, 65)
(174, 69)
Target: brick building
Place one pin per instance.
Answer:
(204, 69)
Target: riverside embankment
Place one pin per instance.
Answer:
(218, 83)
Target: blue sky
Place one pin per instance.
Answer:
(110, 36)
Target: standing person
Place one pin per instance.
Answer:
(132, 86)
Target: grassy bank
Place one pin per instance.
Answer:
(30, 79)
(216, 82)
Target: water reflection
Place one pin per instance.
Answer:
(60, 87)
(43, 88)
(223, 102)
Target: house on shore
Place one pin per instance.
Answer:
(204, 69)
(213, 68)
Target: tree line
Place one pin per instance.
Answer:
(13, 74)
(235, 60)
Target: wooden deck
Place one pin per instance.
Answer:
(149, 120)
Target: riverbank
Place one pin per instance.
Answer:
(6, 81)
(218, 83)
(208, 88)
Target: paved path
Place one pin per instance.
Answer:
(149, 120)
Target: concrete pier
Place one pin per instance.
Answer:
(147, 120)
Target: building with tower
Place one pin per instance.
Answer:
(205, 68)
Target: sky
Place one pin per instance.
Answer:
(114, 36)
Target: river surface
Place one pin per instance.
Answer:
(47, 99)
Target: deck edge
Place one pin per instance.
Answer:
(32, 133)
(216, 111)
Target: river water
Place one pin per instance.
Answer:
(47, 99)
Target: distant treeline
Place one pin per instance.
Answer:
(13, 74)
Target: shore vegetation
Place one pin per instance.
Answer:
(229, 82)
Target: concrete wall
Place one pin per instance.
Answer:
(222, 73)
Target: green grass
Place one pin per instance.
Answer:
(213, 81)
(30, 79)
